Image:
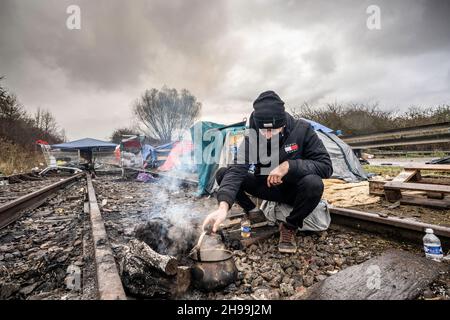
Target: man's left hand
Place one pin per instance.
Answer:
(276, 175)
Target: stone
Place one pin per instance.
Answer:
(268, 276)
(275, 282)
(321, 277)
(257, 282)
(8, 257)
(7, 290)
(308, 281)
(339, 261)
(29, 289)
(289, 271)
(286, 279)
(286, 289)
(428, 294)
(313, 267)
(6, 249)
(265, 294)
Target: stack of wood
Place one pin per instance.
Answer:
(147, 274)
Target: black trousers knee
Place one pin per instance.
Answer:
(302, 194)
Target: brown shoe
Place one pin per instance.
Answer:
(288, 242)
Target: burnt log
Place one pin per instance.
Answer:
(167, 238)
(164, 263)
(148, 274)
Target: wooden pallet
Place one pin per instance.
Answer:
(411, 180)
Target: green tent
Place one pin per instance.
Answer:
(207, 150)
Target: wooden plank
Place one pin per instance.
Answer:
(435, 195)
(433, 167)
(408, 175)
(258, 235)
(395, 275)
(376, 188)
(392, 195)
(392, 185)
(421, 201)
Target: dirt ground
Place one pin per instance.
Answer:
(37, 250)
(263, 272)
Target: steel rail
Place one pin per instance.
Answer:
(13, 210)
(109, 283)
(394, 227)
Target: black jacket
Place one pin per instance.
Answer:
(300, 146)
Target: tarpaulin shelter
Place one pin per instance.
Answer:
(136, 153)
(88, 148)
(71, 154)
(181, 151)
(346, 164)
(86, 144)
(157, 156)
(206, 155)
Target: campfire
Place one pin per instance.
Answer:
(160, 261)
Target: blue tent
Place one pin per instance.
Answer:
(318, 126)
(156, 156)
(85, 144)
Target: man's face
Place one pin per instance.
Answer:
(268, 133)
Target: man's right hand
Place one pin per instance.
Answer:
(216, 217)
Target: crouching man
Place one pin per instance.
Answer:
(301, 161)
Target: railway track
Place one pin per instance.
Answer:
(11, 211)
(96, 246)
(21, 177)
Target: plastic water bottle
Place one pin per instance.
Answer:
(246, 228)
(432, 246)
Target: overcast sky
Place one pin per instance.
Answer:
(224, 52)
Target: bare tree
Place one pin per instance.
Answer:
(45, 121)
(167, 113)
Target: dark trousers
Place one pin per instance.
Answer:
(302, 194)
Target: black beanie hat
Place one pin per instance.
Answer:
(269, 111)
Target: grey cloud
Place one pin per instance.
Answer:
(119, 41)
(224, 51)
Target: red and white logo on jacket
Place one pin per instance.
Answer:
(291, 148)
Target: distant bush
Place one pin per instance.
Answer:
(15, 158)
(355, 119)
